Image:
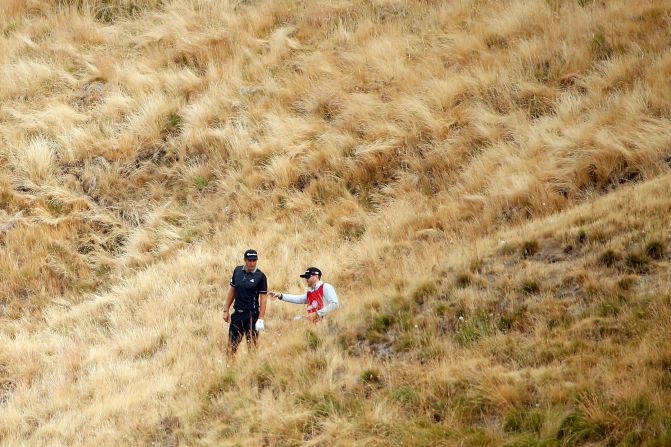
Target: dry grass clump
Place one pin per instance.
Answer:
(485, 183)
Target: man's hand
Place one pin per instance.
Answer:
(259, 326)
(313, 317)
(274, 294)
(227, 316)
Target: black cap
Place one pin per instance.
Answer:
(251, 254)
(311, 271)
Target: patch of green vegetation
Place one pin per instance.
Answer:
(529, 287)
(56, 207)
(406, 395)
(174, 121)
(322, 405)
(200, 182)
(578, 429)
(474, 327)
(523, 420)
(405, 342)
(609, 309)
(441, 309)
(636, 262)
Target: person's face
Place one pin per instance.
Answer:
(312, 280)
(250, 264)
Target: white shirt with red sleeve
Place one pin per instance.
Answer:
(331, 302)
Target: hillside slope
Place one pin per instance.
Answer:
(486, 183)
(559, 335)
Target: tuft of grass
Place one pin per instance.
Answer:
(371, 376)
(523, 420)
(601, 48)
(312, 340)
(636, 262)
(530, 287)
(626, 282)
(224, 382)
(56, 207)
(529, 248)
(578, 429)
(424, 290)
(463, 280)
(474, 327)
(609, 258)
(200, 182)
(655, 249)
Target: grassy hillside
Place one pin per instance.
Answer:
(486, 183)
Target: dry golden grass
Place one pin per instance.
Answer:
(486, 183)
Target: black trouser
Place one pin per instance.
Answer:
(242, 323)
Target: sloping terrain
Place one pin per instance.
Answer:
(485, 183)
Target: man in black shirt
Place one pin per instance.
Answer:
(249, 287)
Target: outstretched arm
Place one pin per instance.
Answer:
(296, 299)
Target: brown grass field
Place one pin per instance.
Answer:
(486, 183)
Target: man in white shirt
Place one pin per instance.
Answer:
(320, 297)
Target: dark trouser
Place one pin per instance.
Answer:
(242, 323)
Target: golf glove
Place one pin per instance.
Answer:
(259, 325)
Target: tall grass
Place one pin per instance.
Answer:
(485, 183)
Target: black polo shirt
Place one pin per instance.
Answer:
(248, 287)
